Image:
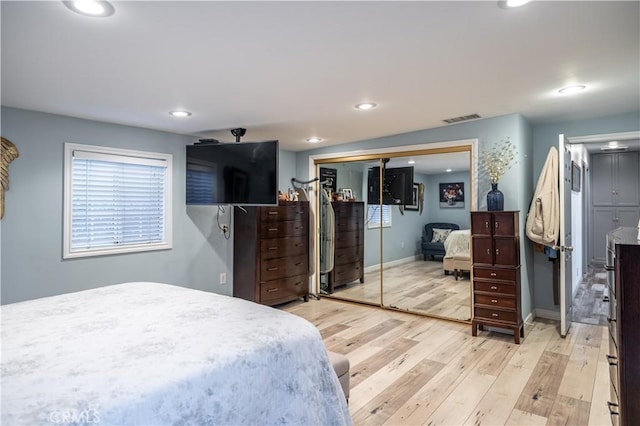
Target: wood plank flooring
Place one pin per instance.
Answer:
(409, 369)
(418, 286)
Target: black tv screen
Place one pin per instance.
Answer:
(397, 188)
(243, 173)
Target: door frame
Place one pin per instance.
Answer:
(583, 140)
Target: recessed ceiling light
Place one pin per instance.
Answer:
(613, 144)
(365, 106)
(516, 3)
(412, 161)
(95, 8)
(570, 90)
(179, 114)
(448, 170)
(314, 139)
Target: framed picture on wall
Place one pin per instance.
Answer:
(576, 174)
(452, 195)
(414, 202)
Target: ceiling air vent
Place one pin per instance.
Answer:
(461, 118)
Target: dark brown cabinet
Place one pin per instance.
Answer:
(623, 279)
(495, 240)
(271, 253)
(348, 264)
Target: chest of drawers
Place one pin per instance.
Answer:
(495, 244)
(348, 264)
(271, 253)
(623, 279)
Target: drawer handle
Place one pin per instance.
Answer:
(486, 225)
(494, 300)
(613, 360)
(273, 248)
(488, 251)
(497, 252)
(299, 263)
(272, 269)
(497, 224)
(273, 213)
(493, 274)
(611, 406)
(494, 315)
(271, 290)
(273, 229)
(493, 287)
(298, 283)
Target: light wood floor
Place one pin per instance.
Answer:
(419, 286)
(409, 369)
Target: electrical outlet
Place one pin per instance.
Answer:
(223, 277)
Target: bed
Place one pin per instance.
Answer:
(457, 258)
(156, 354)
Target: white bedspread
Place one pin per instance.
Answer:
(458, 243)
(151, 354)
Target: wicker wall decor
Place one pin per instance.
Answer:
(8, 153)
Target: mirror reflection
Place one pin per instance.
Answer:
(403, 251)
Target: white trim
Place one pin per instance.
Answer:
(605, 137)
(151, 158)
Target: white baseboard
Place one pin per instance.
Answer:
(374, 268)
(547, 314)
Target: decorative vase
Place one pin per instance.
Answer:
(495, 199)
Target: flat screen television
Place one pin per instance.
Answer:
(242, 173)
(397, 188)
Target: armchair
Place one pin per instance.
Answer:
(430, 248)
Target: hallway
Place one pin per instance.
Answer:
(590, 306)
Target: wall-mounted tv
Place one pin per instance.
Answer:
(242, 173)
(397, 188)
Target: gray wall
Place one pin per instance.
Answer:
(544, 137)
(32, 264)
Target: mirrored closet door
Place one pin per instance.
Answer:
(403, 267)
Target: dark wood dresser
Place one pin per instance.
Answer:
(623, 279)
(495, 240)
(348, 264)
(271, 253)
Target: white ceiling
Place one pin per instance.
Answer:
(291, 70)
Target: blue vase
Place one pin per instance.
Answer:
(495, 199)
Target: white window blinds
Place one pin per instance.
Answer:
(116, 201)
(377, 215)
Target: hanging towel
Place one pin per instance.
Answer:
(543, 220)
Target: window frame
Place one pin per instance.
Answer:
(381, 224)
(132, 156)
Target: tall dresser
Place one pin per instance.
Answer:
(348, 264)
(271, 253)
(623, 278)
(495, 239)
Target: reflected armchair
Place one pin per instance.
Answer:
(434, 248)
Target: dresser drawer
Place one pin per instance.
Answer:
(493, 300)
(495, 315)
(280, 247)
(495, 273)
(287, 228)
(349, 238)
(284, 288)
(348, 209)
(347, 273)
(494, 287)
(350, 224)
(348, 255)
(284, 267)
(278, 213)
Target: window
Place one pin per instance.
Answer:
(378, 214)
(115, 201)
